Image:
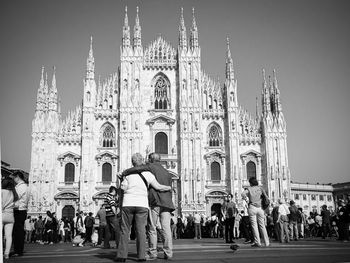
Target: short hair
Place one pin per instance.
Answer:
(154, 157)
(136, 159)
(112, 188)
(291, 202)
(253, 181)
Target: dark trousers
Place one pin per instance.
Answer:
(326, 229)
(88, 234)
(247, 229)
(229, 224)
(113, 224)
(18, 231)
(101, 233)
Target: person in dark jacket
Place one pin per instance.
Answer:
(161, 205)
(293, 221)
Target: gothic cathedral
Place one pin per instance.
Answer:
(159, 100)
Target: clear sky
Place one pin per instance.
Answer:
(307, 42)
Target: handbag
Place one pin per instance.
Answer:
(265, 201)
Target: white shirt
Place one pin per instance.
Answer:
(27, 225)
(197, 218)
(135, 191)
(283, 209)
(23, 196)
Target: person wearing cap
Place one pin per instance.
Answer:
(20, 213)
(293, 221)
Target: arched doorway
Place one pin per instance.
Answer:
(68, 211)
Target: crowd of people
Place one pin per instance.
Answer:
(142, 207)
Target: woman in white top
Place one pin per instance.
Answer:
(9, 197)
(256, 213)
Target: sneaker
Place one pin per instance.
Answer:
(246, 242)
(80, 245)
(255, 245)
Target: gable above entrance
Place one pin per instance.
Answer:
(162, 119)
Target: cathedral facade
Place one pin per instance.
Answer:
(159, 100)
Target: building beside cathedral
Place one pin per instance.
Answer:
(159, 100)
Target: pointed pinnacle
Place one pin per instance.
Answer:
(264, 76)
(91, 52)
(182, 21)
(137, 20)
(228, 47)
(126, 17)
(194, 26)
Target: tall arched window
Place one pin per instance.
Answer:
(161, 87)
(215, 171)
(69, 171)
(106, 172)
(161, 143)
(214, 136)
(251, 170)
(107, 136)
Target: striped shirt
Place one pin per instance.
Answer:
(110, 201)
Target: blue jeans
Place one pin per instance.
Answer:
(164, 216)
(128, 214)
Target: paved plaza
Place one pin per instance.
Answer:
(204, 250)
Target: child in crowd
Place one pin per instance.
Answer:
(78, 240)
(94, 238)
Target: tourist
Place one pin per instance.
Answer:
(135, 206)
(246, 226)
(293, 221)
(161, 205)
(89, 222)
(173, 226)
(326, 221)
(28, 230)
(112, 217)
(39, 230)
(49, 228)
(256, 213)
(283, 220)
(228, 212)
(20, 213)
(9, 197)
(343, 219)
(102, 224)
(197, 226)
(301, 223)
